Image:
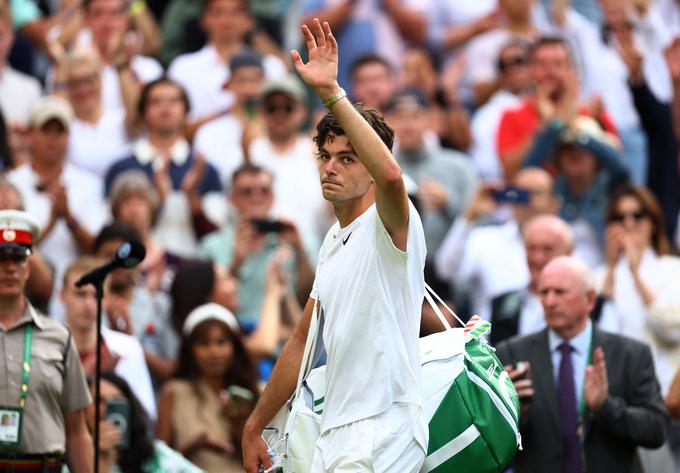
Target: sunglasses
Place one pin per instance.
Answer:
(621, 217)
(505, 64)
(250, 191)
(273, 108)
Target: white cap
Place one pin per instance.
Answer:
(210, 311)
(52, 107)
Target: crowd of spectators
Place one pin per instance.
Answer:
(525, 129)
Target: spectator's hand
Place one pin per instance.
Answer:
(118, 312)
(488, 22)
(192, 179)
(523, 385)
(566, 107)
(558, 9)
(109, 436)
(544, 104)
(596, 389)
(276, 278)
(248, 240)
(432, 194)
(162, 181)
(614, 235)
(205, 440)
(291, 234)
(595, 106)
(254, 450)
(634, 253)
(235, 411)
(321, 71)
(628, 51)
(56, 192)
(672, 54)
(482, 202)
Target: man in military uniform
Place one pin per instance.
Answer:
(43, 392)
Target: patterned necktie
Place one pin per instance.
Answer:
(566, 392)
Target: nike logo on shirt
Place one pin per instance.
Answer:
(344, 242)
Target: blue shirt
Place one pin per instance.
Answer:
(581, 345)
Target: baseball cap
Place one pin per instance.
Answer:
(288, 85)
(245, 57)
(18, 231)
(52, 107)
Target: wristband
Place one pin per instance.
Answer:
(330, 101)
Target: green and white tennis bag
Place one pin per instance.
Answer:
(470, 403)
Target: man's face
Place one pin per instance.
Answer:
(417, 71)
(252, 195)
(514, 69)
(566, 302)
(246, 83)
(542, 200)
(543, 243)
(49, 143)
(373, 85)
(84, 86)
(136, 211)
(165, 111)
(410, 124)
(107, 19)
(343, 176)
(551, 69)
(226, 21)
(283, 115)
(577, 165)
(6, 40)
(80, 304)
(14, 272)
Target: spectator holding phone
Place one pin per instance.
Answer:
(125, 440)
(489, 260)
(249, 242)
(202, 411)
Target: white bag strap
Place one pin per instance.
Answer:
(310, 346)
(429, 292)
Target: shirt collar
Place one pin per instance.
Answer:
(580, 343)
(29, 315)
(147, 154)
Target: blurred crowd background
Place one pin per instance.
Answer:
(526, 129)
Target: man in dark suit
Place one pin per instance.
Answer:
(588, 398)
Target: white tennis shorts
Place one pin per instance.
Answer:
(383, 443)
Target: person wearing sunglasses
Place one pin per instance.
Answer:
(641, 277)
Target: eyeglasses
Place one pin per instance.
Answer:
(251, 191)
(273, 108)
(78, 82)
(507, 63)
(621, 217)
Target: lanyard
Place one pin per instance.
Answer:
(26, 365)
(589, 359)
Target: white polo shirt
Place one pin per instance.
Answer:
(371, 294)
(219, 141)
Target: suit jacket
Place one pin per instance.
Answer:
(633, 415)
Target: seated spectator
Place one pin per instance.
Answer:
(187, 186)
(641, 277)
(134, 203)
(247, 244)
(223, 142)
(288, 154)
(107, 31)
(93, 124)
(445, 178)
(131, 308)
(554, 104)
(489, 260)
(589, 170)
(66, 201)
(140, 453)
(374, 80)
(203, 410)
(520, 312)
(587, 397)
(204, 73)
(120, 353)
(514, 84)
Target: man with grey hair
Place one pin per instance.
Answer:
(588, 398)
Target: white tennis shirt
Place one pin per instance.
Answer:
(371, 294)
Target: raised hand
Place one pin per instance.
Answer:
(596, 389)
(321, 71)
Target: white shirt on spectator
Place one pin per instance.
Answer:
(95, 146)
(488, 260)
(484, 128)
(85, 200)
(297, 189)
(371, 294)
(220, 143)
(447, 13)
(203, 75)
(19, 93)
(132, 367)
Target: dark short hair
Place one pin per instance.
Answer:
(245, 5)
(516, 43)
(429, 53)
(545, 41)
(367, 59)
(248, 168)
(115, 231)
(328, 126)
(143, 102)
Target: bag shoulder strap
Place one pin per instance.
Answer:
(429, 292)
(310, 346)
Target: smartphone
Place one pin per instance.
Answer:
(118, 413)
(512, 195)
(268, 226)
(237, 394)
